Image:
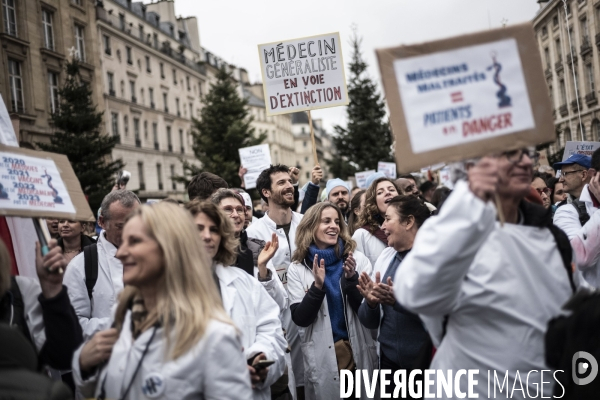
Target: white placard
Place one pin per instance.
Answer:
(7, 133)
(255, 159)
(361, 178)
(446, 178)
(464, 95)
(303, 74)
(30, 183)
(388, 168)
(585, 148)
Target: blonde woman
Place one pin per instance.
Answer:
(172, 339)
(322, 284)
(245, 300)
(369, 237)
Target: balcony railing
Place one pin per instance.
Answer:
(134, 32)
(156, 147)
(591, 99)
(170, 147)
(548, 71)
(597, 39)
(133, 99)
(182, 149)
(152, 105)
(142, 186)
(558, 66)
(574, 104)
(160, 186)
(167, 110)
(111, 92)
(586, 46)
(138, 143)
(563, 110)
(573, 58)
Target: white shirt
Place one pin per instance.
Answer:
(368, 244)
(256, 315)
(214, 368)
(96, 315)
(584, 240)
(498, 285)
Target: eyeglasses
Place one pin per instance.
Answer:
(516, 156)
(229, 210)
(546, 191)
(567, 173)
(409, 189)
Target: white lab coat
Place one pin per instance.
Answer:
(263, 229)
(30, 292)
(368, 244)
(321, 377)
(498, 285)
(96, 315)
(256, 315)
(274, 287)
(584, 240)
(214, 368)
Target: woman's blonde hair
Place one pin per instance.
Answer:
(187, 297)
(370, 211)
(305, 233)
(227, 253)
(5, 265)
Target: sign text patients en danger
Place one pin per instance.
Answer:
(303, 74)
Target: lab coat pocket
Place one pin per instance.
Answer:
(310, 362)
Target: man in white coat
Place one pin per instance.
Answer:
(276, 188)
(95, 313)
(496, 285)
(577, 215)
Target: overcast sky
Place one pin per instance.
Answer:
(232, 29)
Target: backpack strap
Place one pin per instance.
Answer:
(582, 211)
(565, 250)
(90, 257)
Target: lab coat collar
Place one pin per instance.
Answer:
(108, 247)
(228, 291)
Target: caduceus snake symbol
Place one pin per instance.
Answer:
(505, 100)
(57, 198)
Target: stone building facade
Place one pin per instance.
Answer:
(569, 44)
(36, 38)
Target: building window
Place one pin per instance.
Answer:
(110, 77)
(590, 77)
(165, 102)
(544, 31)
(142, 96)
(558, 51)
(584, 31)
(182, 149)
(141, 29)
(555, 21)
(162, 71)
(122, 89)
(106, 42)
(16, 86)
(155, 135)
(173, 183)
(129, 55)
(148, 67)
(53, 86)
(159, 176)
(77, 2)
(155, 39)
(187, 81)
(136, 132)
(177, 107)
(174, 77)
(114, 123)
(595, 130)
(551, 95)
(132, 89)
(122, 21)
(151, 95)
(126, 125)
(9, 12)
(304, 143)
(80, 42)
(48, 31)
(169, 140)
(141, 175)
(563, 92)
(191, 109)
(146, 130)
(547, 57)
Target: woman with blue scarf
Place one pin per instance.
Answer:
(324, 300)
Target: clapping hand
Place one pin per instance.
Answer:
(319, 272)
(266, 255)
(365, 287)
(349, 266)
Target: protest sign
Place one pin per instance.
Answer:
(255, 159)
(467, 96)
(361, 178)
(303, 74)
(446, 177)
(389, 169)
(40, 184)
(585, 148)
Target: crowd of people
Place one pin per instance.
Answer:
(213, 299)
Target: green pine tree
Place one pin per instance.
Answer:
(223, 128)
(78, 136)
(367, 139)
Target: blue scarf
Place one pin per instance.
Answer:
(334, 268)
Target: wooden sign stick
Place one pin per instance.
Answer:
(312, 136)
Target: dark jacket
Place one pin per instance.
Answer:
(85, 241)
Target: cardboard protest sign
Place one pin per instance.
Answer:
(303, 74)
(467, 96)
(40, 184)
(255, 159)
(585, 148)
(389, 169)
(361, 178)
